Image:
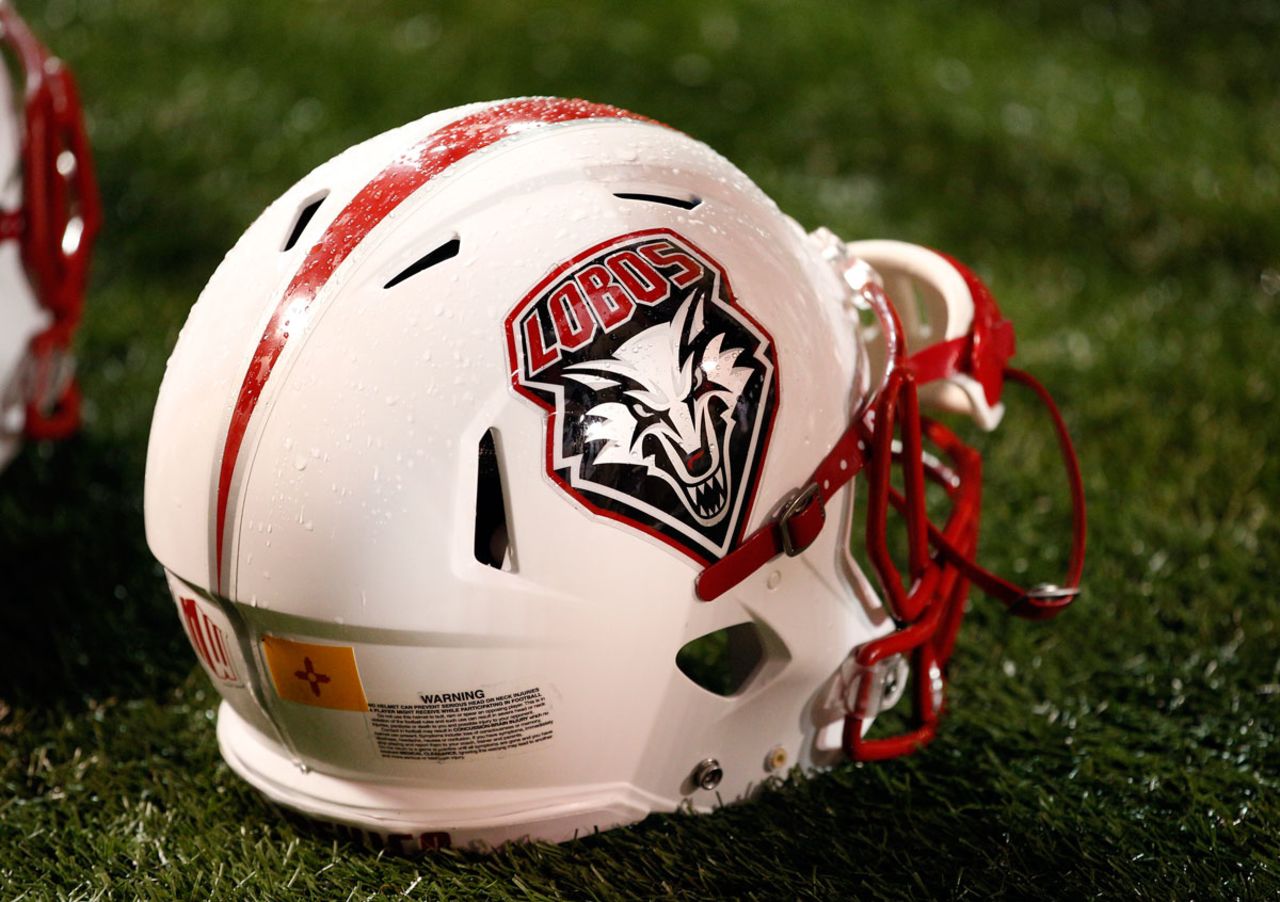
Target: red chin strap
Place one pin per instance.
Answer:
(929, 602)
(57, 224)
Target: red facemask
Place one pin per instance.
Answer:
(928, 601)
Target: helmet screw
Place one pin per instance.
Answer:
(776, 758)
(708, 774)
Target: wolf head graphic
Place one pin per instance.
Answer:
(665, 400)
(660, 390)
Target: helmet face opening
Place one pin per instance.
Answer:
(492, 473)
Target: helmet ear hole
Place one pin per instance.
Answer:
(492, 540)
(723, 661)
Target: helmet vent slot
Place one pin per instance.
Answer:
(305, 215)
(492, 542)
(444, 252)
(684, 203)
(723, 661)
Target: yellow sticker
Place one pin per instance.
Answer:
(321, 675)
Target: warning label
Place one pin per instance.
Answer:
(450, 726)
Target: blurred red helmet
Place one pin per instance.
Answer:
(49, 215)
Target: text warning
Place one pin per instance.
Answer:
(454, 725)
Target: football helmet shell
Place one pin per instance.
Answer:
(485, 420)
(49, 217)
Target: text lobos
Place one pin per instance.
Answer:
(604, 296)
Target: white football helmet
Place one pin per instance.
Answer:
(49, 215)
(491, 427)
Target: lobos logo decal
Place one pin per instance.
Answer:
(660, 390)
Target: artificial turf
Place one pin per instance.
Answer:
(1112, 169)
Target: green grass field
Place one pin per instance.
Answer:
(1113, 170)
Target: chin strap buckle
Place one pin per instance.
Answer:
(801, 520)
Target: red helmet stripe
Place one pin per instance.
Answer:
(388, 189)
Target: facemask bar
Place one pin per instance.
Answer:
(936, 593)
(897, 405)
(931, 610)
(57, 224)
(940, 597)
